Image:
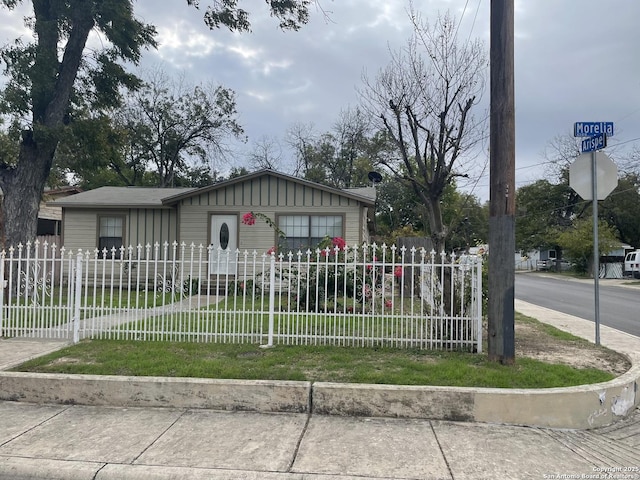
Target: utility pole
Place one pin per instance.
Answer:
(502, 244)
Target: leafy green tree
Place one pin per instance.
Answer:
(620, 209)
(397, 207)
(40, 87)
(340, 158)
(467, 220)
(238, 172)
(166, 134)
(173, 127)
(577, 243)
(48, 76)
(542, 210)
(400, 214)
(95, 152)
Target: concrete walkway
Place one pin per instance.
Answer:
(81, 442)
(113, 442)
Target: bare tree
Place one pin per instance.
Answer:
(266, 153)
(301, 137)
(629, 163)
(559, 153)
(424, 99)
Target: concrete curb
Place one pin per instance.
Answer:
(580, 407)
(215, 394)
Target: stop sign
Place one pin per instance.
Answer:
(580, 175)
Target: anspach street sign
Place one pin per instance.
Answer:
(589, 129)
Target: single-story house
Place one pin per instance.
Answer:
(305, 211)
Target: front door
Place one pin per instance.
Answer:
(224, 242)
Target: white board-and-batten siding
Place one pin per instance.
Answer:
(142, 226)
(272, 197)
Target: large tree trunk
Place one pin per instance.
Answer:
(52, 83)
(22, 188)
(436, 225)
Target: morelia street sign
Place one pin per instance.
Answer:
(589, 129)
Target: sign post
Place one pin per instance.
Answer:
(600, 165)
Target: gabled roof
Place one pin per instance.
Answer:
(119, 197)
(146, 197)
(361, 196)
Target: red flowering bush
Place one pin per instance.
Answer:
(339, 242)
(398, 272)
(248, 218)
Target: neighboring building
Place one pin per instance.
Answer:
(110, 217)
(611, 264)
(50, 215)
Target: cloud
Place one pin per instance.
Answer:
(575, 61)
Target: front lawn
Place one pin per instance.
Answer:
(317, 363)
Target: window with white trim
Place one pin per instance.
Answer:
(307, 231)
(110, 233)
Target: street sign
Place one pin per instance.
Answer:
(588, 129)
(596, 142)
(580, 178)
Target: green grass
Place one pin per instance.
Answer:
(311, 363)
(97, 297)
(52, 308)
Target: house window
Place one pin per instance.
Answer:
(110, 234)
(306, 231)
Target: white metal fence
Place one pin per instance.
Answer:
(354, 296)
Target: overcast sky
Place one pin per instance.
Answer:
(575, 61)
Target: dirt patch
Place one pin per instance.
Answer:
(67, 361)
(531, 341)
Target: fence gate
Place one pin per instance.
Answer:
(38, 291)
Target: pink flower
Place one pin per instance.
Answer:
(388, 303)
(339, 242)
(369, 267)
(398, 271)
(272, 250)
(248, 218)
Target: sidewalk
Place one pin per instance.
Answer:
(78, 442)
(107, 442)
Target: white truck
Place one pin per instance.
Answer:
(632, 264)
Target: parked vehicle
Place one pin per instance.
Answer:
(632, 264)
(545, 264)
